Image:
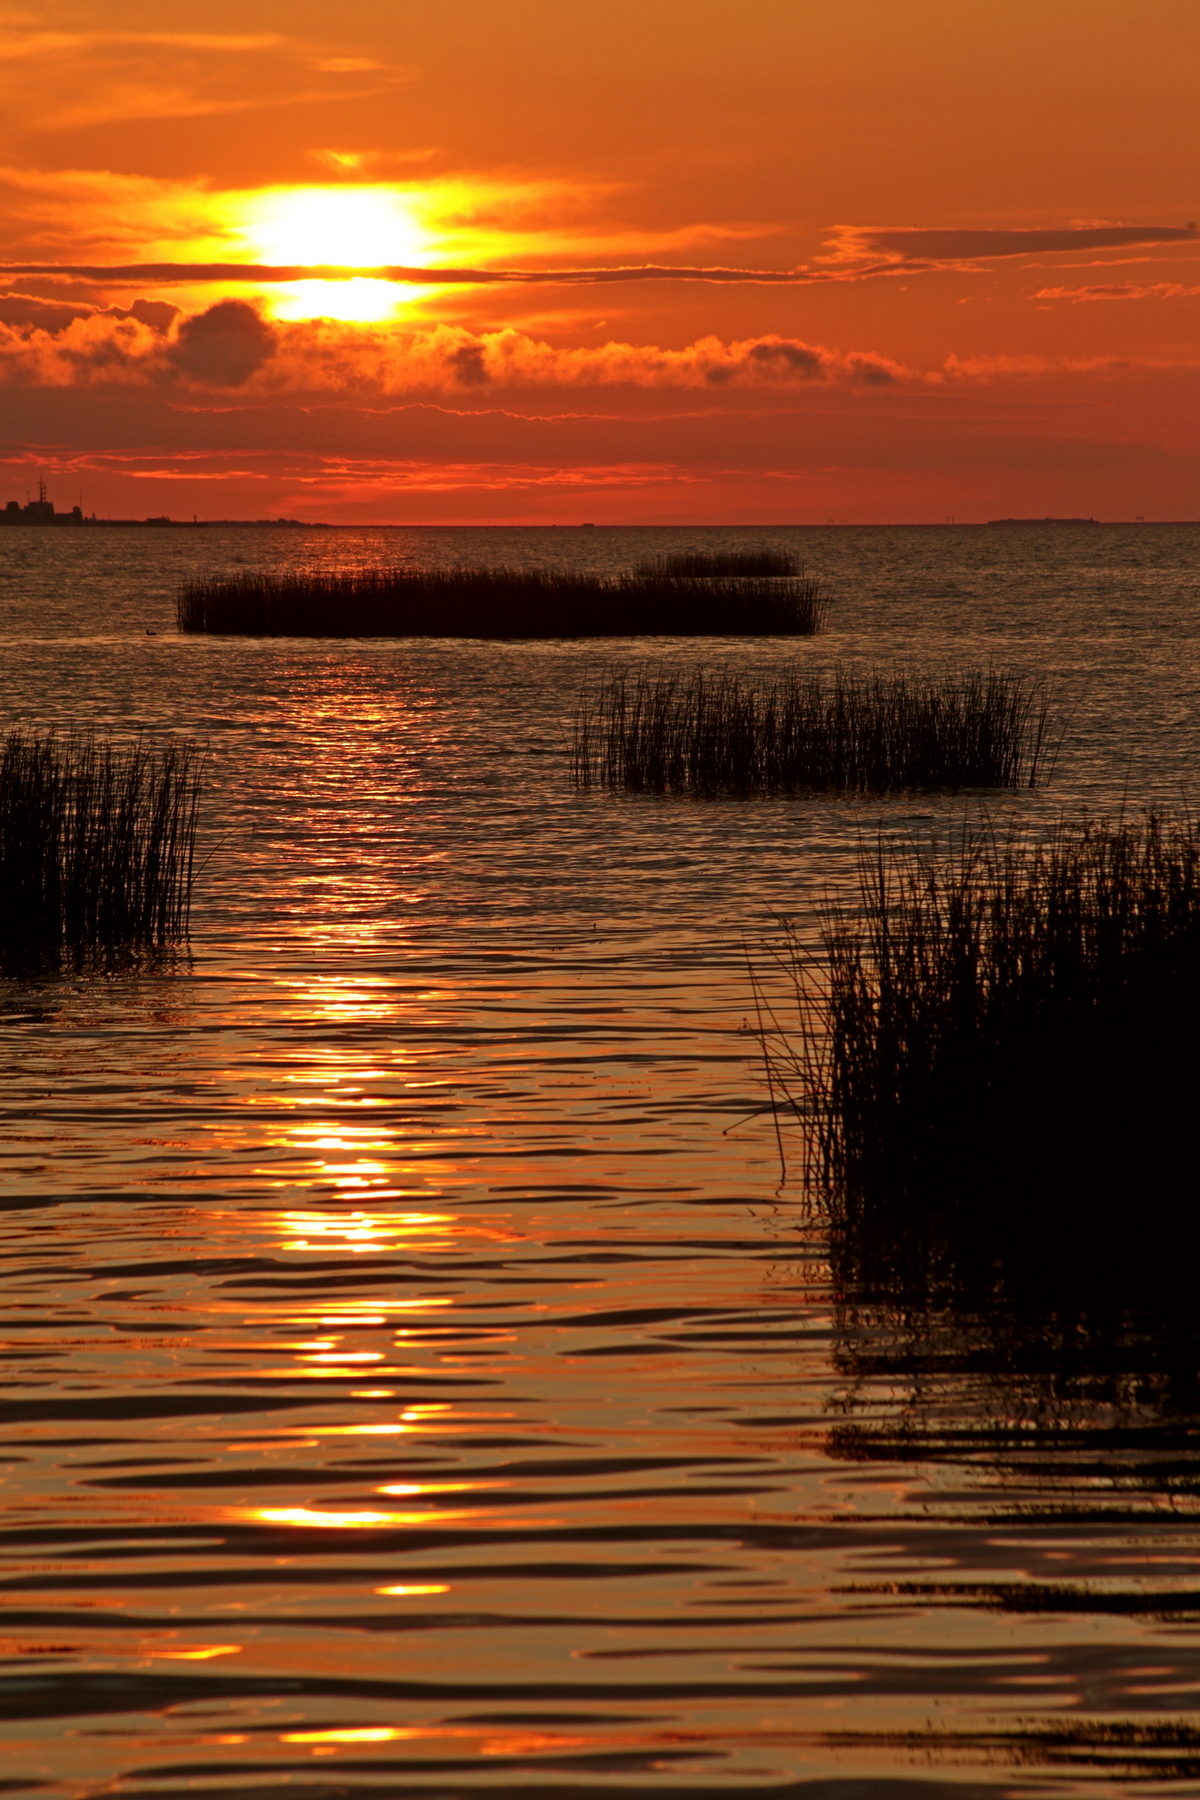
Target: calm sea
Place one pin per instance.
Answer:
(417, 1379)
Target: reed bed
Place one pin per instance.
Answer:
(994, 1057)
(97, 844)
(693, 565)
(711, 734)
(497, 603)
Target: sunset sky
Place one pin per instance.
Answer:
(655, 261)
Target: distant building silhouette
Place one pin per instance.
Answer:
(39, 512)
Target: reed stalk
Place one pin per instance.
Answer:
(497, 603)
(97, 844)
(711, 734)
(701, 564)
(993, 1055)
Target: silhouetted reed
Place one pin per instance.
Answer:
(722, 734)
(496, 603)
(699, 564)
(995, 1062)
(96, 843)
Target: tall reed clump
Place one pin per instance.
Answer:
(713, 734)
(996, 1055)
(497, 603)
(97, 843)
(693, 565)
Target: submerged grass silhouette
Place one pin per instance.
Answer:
(720, 734)
(699, 564)
(97, 844)
(497, 603)
(994, 1057)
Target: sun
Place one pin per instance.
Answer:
(360, 299)
(348, 227)
(336, 227)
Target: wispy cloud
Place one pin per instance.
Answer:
(1120, 290)
(910, 243)
(991, 365)
(859, 254)
(190, 274)
(59, 80)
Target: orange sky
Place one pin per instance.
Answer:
(939, 254)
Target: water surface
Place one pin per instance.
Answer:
(418, 1380)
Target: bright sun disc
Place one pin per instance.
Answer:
(338, 227)
(359, 298)
(350, 228)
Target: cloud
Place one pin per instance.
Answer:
(322, 356)
(468, 364)
(224, 346)
(433, 275)
(858, 255)
(1120, 290)
(55, 80)
(160, 315)
(53, 313)
(32, 311)
(95, 348)
(231, 345)
(984, 367)
(904, 244)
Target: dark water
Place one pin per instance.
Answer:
(417, 1380)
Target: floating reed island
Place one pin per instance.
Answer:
(994, 1057)
(713, 734)
(499, 603)
(97, 843)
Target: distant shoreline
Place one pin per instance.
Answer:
(66, 522)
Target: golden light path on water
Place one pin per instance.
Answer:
(417, 1378)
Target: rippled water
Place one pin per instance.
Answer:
(417, 1379)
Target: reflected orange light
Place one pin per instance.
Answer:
(204, 1655)
(411, 1419)
(531, 1743)
(361, 1734)
(327, 1521)
(319, 1137)
(523, 1743)
(357, 1230)
(404, 1488)
(309, 1517)
(430, 1587)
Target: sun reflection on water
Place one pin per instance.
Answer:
(359, 1519)
(359, 1232)
(351, 1734)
